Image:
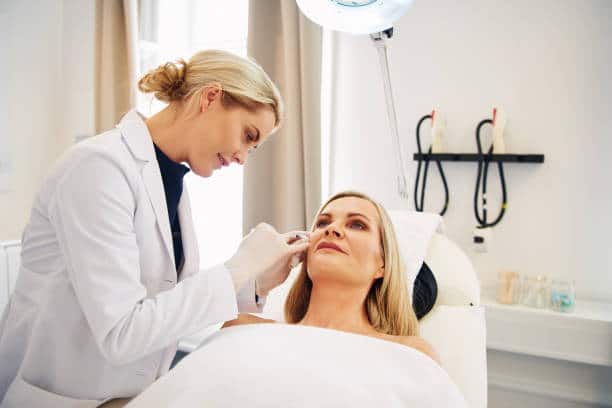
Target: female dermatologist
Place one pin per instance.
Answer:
(109, 279)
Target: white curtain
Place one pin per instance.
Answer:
(282, 181)
(116, 60)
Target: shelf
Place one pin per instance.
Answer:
(475, 157)
(583, 336)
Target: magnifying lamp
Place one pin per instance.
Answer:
(374, 17)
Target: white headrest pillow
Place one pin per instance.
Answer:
(455, 275)
(419, 240)
(414, 231)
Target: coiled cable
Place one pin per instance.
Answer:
(483, 170)
(419, 201)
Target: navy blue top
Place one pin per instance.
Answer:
(172, 176)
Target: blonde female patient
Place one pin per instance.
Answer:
(351, 338)
(352, 278)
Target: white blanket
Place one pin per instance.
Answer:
(278, 365)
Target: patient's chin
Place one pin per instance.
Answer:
(326, 271)
(325, 261)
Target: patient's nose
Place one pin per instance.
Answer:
(331, 230)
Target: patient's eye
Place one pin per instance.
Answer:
(321, 223)
(252, 135)
(358, 225)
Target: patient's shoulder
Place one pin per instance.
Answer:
(246, 318)
(418, 343)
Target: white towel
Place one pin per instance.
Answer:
(277, 365)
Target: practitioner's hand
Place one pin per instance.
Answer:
(266, 256)
(298, 237)
(245, 318)
(296, 245)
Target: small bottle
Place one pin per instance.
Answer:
(562, 296)
(535, 292)
(499, 124)
(507, 287)
(542, 292)
(438, 124)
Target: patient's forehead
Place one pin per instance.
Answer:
(347, 205)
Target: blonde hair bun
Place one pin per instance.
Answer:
(166, 82)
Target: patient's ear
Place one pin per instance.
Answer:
(380, 272)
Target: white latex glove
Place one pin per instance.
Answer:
(266, 256)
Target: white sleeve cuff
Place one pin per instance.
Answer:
(222, 304)
(246, 299)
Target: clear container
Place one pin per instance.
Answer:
(508, 287)
(562, 296)
(534, 291)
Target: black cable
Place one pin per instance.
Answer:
(483, 170)
(418, 204)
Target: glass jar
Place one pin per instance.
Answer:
(562, 296)
(534, 291)
(508, 286)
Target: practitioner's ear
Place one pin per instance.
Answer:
(210, 94)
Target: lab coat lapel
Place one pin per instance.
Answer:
(191, 252)
(155, 189)
(138, 140)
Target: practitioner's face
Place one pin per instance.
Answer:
(353, 225)
(221, 136)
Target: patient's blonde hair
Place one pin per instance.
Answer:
(243, 82)
(387, 304)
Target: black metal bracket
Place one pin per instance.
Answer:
(475, 157)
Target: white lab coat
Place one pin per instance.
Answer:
(97, 311)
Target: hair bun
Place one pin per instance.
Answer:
(167, 81)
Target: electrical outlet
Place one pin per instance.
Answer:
(481, 239)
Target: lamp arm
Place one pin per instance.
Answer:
(379, 39)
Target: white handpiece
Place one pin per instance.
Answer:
(264, 255)
(302, 238)
(437, 129)
(499, 123)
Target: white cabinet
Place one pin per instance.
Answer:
(540, 358)
(583, 336)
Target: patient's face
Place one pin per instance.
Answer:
(346, 244)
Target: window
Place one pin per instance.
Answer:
(172, 29)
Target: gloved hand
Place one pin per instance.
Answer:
(266, 256)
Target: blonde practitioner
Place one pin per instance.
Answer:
(110, 278)
(352, 279)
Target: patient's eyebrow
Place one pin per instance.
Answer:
(352, 214)
(358, 214)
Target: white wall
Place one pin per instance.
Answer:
(548, 64)
(46, 76)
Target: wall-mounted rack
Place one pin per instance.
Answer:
(475, 157)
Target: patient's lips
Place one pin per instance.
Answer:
(330, 245)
